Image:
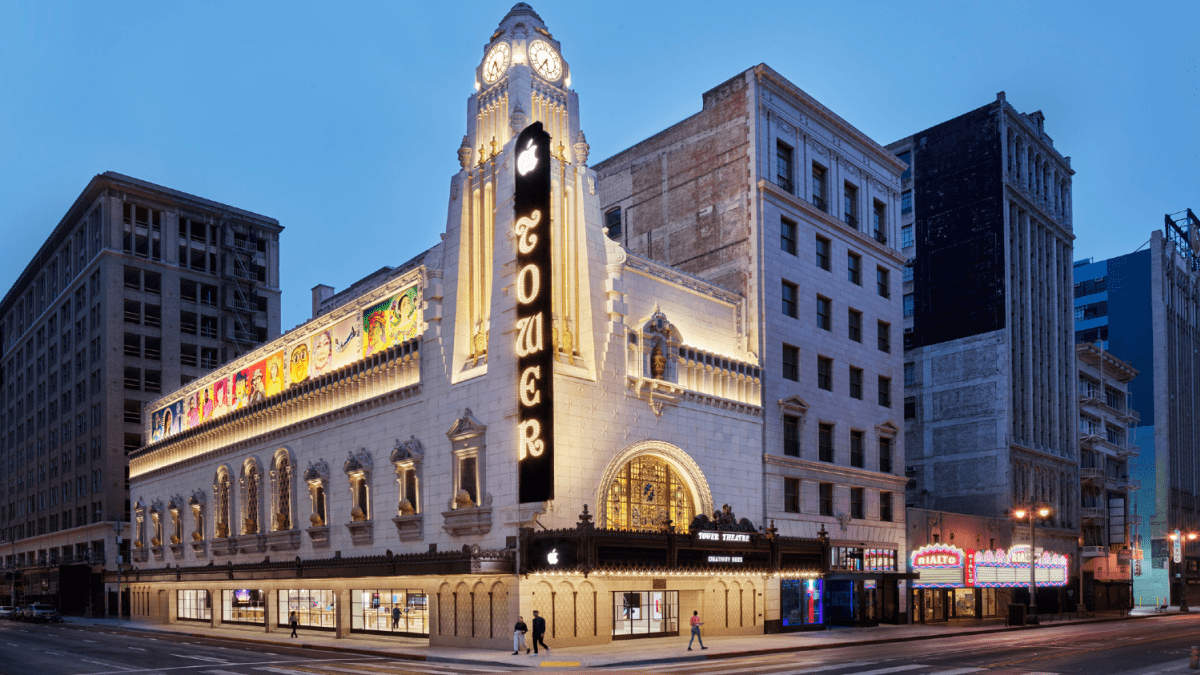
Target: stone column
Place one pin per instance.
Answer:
(271, 604)
(342, 614)
(215, 597)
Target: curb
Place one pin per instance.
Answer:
(861, 643)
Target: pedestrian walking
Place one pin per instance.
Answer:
(293, 622)
(395, 616)
(539, 632)
(519, 632)
(696, 623)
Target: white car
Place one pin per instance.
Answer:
(7, 612)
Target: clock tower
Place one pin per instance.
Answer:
(521, 80)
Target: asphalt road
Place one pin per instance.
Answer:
(1137, 647)
(63, 649)
(1140, 647)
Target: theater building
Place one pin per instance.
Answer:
(548, 421)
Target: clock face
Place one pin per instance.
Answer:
(496, 63)
(545, 61)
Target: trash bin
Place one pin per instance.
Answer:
(1016, 614)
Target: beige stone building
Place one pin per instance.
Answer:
(382, 468)
(138, 289)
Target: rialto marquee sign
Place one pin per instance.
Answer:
(944, 566)
(535, 358)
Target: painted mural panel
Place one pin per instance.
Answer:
(375, 329)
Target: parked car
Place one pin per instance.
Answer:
(7, 611)
(43, 614)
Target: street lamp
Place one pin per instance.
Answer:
(1041, 512)
(1181, 537)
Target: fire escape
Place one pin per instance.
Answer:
(240, 275)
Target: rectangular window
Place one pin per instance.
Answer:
(907, 273)
(791, 363)
(854, 321)
(885, 507)
(910, 407)
(885, 337)
(885, 455)
(133, 379)
(885, 391)
(791, 495)
(783, 166)
(906, 201)
(825, 442)
(856, 503)
(854, 268)
(879, 222)
(856, 376)
(908, 304)
(612, 221)
(881, 279)
(823, 253)
(910, 374)
(856, 449)
(906, 157)
(824, 309)
(825, 491)
(906, 236)
(791, 435)
(825, 373)
(850, 205)
(789, 299)
(133, 345)
(133, 411)
(818, 187)
(787, 236)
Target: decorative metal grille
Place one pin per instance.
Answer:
(251, 499)
(481, 612)
(500, 623)
(543, 603)
(223, 502)
(462, 610)
(284, 507)
(585, 610)
(445, 611)
(564, 611)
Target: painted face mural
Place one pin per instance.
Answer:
(322, 353)
(298, 363)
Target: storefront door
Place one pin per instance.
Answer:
(639, 614)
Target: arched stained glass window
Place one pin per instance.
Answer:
(284, 494)
(646, 492)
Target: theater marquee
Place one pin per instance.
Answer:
(535, 359)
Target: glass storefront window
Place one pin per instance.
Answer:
(645, 614)
(854, 559)
(193, 605)
(243, 605)
(398, 611)
(800, 601)
(964, 602)
(313, 608)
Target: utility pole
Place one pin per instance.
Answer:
(118, 571)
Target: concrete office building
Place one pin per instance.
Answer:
(770, 194)
(989, 398)
(1143, 307)
(139, 288)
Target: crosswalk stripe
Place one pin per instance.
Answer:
(959, 671)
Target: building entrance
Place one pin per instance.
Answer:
(639, 614)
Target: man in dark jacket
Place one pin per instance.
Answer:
(519, 632)
(539, 632)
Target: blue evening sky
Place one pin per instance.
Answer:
(342, 119)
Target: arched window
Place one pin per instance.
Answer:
(223, 488)
(250, 523)
(645, 493)
(282, 519)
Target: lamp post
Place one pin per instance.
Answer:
(1043, 512)
(1178, 538)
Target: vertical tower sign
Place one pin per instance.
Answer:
(535, 359)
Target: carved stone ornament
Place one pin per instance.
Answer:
(820, 150)
(357, 515)
(591, 184)
(463, 500)
(465, 426)
(358, 462)
(516, 121)
(409, 450)
(723, 520)
(582, 149)
(406, 508)
(433, 259)
(316, 472)
(316, 521)
(464, 153)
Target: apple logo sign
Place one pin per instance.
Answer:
(527, 159)
(552, 557)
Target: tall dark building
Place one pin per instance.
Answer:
(1143, 306)
(989, 341)
(137, 290)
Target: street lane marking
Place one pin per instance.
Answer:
(109, 665)
(138, 648)
(893, 669)
(960, 671)
(209, 659)
(91, 641)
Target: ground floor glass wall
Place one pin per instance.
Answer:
(193, 605)
(243, 605)
(313, 608)
(800, 602)
(389, 611)
(645, 614)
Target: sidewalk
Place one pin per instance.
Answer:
(639, 652)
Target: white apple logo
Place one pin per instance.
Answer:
(552, 558)
(527, 159)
